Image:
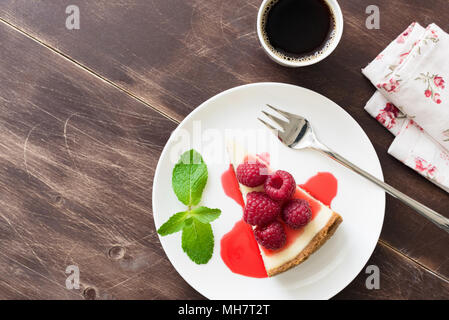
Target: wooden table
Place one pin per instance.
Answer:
(85, 114)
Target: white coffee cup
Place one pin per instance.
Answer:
(338, 32)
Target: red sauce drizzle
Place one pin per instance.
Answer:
(323, 186)
(231, 186)
(239, 249)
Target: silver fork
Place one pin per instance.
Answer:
(297, 133)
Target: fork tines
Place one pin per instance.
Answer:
(284, 113)
(281, 123)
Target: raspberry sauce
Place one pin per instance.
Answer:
(239, 249)
(231, 186)
(322, 186)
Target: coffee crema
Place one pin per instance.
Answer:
(298, 30)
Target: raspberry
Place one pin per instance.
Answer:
(271, 236)
(252, 174)
(296, 213)
(260, 210)
(280, 185)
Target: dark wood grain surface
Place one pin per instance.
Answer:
(85, 114)
(77, 159)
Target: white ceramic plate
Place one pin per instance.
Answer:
(360, 203)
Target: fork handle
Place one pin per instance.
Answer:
(430, 214)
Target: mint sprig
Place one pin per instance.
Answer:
(189, 179)
(174, 224)
(198, 241)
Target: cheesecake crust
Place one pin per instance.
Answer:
(318, 240)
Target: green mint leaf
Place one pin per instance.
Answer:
(189, 178)
(204, 214)
(198, 241)
(174, 224)
(177, 221)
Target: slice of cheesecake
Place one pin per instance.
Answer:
(300, 243)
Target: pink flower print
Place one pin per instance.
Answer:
(389, 107)
(434, 83)
(390, 86)
(401, 38)
(386, 120)
(439, 82)
(405, 34)
(388, 115)
(445, 157)
(425, 167)
(379, 56)
(433, 35)
(410, 123)
(436, 98)
(403, 56)
(413, 123)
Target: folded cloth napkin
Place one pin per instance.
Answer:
(412, 145)
(411, 100)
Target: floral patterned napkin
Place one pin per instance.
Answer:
(411, 101)
(412, 145)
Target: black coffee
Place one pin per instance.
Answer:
(298, 29)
